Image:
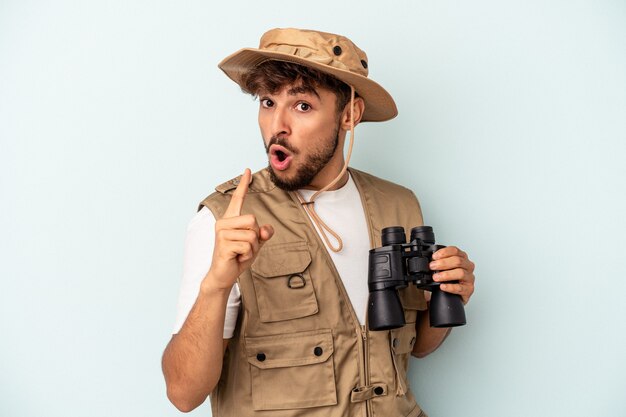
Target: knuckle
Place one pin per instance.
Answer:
(249, 219)
(251, 236)
(249, 248)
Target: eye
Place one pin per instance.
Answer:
(303, 107)
(266, 103)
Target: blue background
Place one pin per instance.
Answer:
(115, 122)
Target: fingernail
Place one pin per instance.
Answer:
(433, 265)
(436, 277)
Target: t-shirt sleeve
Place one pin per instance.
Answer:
(199, 244)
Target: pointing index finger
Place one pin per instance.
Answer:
(236, 202)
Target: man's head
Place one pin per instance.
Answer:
(303, 80)
(300, 116)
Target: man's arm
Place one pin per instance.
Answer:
(451, 264)
(428, 338)
(192, 361)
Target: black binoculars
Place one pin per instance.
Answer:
(397, 264)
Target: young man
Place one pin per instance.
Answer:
(275, 322)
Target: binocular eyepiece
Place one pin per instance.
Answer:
(397, 264)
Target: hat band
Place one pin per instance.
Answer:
(308, 54)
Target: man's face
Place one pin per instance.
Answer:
(300, 131)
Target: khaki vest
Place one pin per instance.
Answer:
(298, 348)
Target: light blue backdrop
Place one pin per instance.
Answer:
(115, 122)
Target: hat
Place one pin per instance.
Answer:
(326, 52)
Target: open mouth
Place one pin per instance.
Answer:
(280, 157)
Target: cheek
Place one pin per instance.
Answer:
(264, 122)
(265, 134)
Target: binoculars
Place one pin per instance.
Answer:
(397, 264)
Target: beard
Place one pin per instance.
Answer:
(306, 171)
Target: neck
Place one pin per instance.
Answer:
(321, 183)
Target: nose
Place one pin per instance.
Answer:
(281, 125)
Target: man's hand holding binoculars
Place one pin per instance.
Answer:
(452, 264)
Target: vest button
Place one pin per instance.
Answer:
(337, 50)
(318, 351)
(395, 342)
(260, 357)
(412, 342)
(379, 391)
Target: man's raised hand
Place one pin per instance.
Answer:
(238, 239)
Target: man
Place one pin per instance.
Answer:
(274, 323)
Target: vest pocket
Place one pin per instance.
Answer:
(292, 370)
(282, 282)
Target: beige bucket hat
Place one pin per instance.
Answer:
(326, 52)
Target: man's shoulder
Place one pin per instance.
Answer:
(260, 183)
(377, 183)
(388, 203)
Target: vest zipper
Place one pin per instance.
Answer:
(360, 330)
(366, 363)
(364, 328)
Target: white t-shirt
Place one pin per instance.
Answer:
(340, 209)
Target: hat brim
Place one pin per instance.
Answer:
(379, 105)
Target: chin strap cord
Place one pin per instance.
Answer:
(309, 206)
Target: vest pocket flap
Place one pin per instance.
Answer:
(282, 259)
(287, 350)
(403, 339)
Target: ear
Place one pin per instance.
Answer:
(359, 108)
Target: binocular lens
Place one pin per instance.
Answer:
(446, 310)
(423, 233)
(384, 310)
(393, 236)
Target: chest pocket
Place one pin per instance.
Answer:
(282, 282)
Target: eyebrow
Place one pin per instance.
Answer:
(302, 90)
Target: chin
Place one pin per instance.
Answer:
(284, 181)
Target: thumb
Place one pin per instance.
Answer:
(265, 233)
